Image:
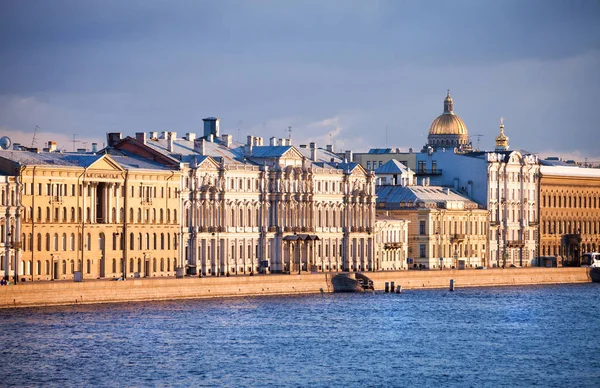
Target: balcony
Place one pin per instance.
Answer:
(393, 245)
(515, 244)
(456, 238)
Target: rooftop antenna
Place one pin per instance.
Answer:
(478, 136)
(289, 133)
(35, 131)
(74, 141)
(386, 136)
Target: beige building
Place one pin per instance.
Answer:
(392, 243)
(569, 211)
(102, 216)
(445, 229)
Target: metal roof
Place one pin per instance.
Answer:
(419, 194)
(393, 167)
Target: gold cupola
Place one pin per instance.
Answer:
(448, 130)
(502, 139)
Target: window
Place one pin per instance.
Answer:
(421, 250)
(421, 227)
(421, 168)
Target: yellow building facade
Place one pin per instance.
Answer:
(89, 214)
(569, 212)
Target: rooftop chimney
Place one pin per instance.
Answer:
(313, 151)
(348, 155)
(170, 141)
(190, 136)
(153, 135)
(329, 147)
(273, 141)
(199, 146)
(51, 146)
(211, 126)
(94, 147)
(226, 140)
(113, 138)
(16, 146)
(164, 135)
(140, 137)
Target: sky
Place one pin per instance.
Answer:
(356, 74)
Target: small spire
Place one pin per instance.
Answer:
(501, 122)
(448, 104)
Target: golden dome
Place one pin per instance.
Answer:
(448, 123)
(502, 139)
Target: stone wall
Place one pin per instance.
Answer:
(103, 291)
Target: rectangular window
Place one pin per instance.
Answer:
(433, 166)
(422, 250)
(422, 167)
(368, 165)
(421, 227)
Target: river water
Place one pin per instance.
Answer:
(506, 336)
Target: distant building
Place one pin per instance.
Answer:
(392, 243)
(102, 216)
(445, 228)
(503, 182)
(10, 225)
(250, 207)
(377, 157)
(569, 210)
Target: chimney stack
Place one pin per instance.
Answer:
(94, 147)
(153, 135)
(51, 146)
(329, 147)
(170, 141)
(113, 138)
(273, 141)
(199, 146)
(190, 136)
(140, 137)
(211, 127)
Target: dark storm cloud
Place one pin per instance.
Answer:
(131, 65)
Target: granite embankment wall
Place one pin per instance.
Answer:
(104, 291)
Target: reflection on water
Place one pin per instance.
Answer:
(472, 337)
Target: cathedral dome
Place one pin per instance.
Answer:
(448, 123)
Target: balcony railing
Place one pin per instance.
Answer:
(515, 244)
(393, 245)
(424, 171)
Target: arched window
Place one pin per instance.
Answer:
(131, 242)
(88, 266)
(147, 241)
(89, 242)
(64, 242)
(72, 214)
(140, 242)
(114, 265)
(162, 241)
(131, 215)
(155, 241)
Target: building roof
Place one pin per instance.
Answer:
(50, 158)
(393, 167)
(183, 150)
(410, 196)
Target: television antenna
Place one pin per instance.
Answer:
(35, 131)
(74, 141)
(478, 136)
(289, 131)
